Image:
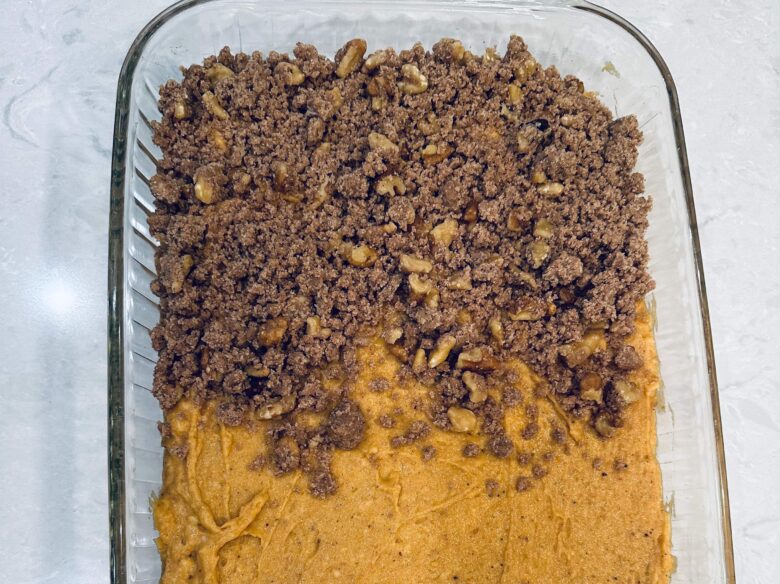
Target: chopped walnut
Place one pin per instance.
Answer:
(360, 256)
(375, 60)
(627, 391)
(525, 70)
(529, 308)
(476, 359)
(577, 353)
(515, 94)
(382, 144)
(590, 387)
(551, 189)
(277, 408)
(445, 232)
(352, 58)
(390, 185)
(540, 251)
(214, 107)
(218, 72)
(496, 328)
(476, 386)
(436, 153)
(419, 285)
(462, 420)
(543, 229)
(413, 82)
(272, 332)
(181, 110)
(290, 73)
(441, 351)
(205, 190)
(411, 264)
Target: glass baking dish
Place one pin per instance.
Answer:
(605, 51)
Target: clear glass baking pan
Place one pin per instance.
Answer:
(605, 51)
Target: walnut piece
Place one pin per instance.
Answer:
(462, 420)
(551, 189)
(476, 386)
(214, 107)
(181, 110)
(525, 70)
(627, 391)
(411, 264)
(314, 328)
(496, 328)
(413, 82)
(272, 332)
(441, 351)
(217, 140)
(419, 285)
(360, 256)
(218, 72)
(591, 386)
(277, 408)
(353, 55)
(205, 190)
(459, 281)
(515, 94)
(290, 73)
(436, 153)
(390, 185)
(185, 264)
(543, 228)
(540, 251)
(375, 60)
(382, 144)
(577, 353)
(476, 359)
(529, 308)
(445, 232)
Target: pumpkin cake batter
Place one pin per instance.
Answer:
(396, 518)
(402, 329)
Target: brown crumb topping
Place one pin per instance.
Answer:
(179, 450)
(379, 385)
(346, 425)
(417, 430)
(492, 488)
(470, 210)
(470, 450)
(164, 428)
(619, 464)
(500, 445)
(322, 483)
(428, 452)
(523, 483)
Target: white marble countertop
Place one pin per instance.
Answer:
(59, 61)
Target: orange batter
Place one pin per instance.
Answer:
(596, 516)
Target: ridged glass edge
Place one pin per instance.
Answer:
(116, 459)
(682, 154)
(116, 291)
